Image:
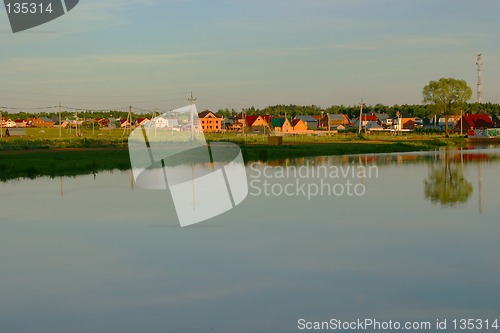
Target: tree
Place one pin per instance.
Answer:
(447, 96)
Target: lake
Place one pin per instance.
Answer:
(398, 237)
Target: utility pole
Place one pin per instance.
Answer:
(360, 116)
(1, 124)
(400, 122)
(76, 123)
(192, 100)
(60, 123)
(129, 120)
(479, 64)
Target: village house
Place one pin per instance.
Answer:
(474, 121)
(364, 120)
(374, 126)
(257, 123)
(404, 124)
(496, 120)
(383, 119)
(7, 122)
(310, 121)
(162, 122)
(141, 121)
(124, 123)
(281, 125)
(210, 122)
(42, 122)
(337, 119)
(299, 126)
(21, 123)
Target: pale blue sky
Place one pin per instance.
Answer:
(239, 53)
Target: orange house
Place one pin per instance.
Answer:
(299, 126)
(210, 122)
(408, 123)
(42, 122)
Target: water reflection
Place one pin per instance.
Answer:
(95, 259)
(446, 183)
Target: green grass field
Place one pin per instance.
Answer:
(44, 138)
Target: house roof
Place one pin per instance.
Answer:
(373, 124)
(496, 119)
(307, 119)
(296, 121)
(206, 113)
(277, 122)
(252, 119)
(381, 116)
(47, 120)
(478, 120)
(337, 116)
(369, 118)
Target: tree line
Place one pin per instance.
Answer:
(406, 110)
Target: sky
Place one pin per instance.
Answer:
(240, 53)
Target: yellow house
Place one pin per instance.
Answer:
(257, 123)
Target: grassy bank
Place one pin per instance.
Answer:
(33, 164)
(36, 156)
(264, 152)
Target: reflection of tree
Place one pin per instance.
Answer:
(447, 186)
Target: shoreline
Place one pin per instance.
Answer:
(73, 161)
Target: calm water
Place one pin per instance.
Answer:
(418, 242)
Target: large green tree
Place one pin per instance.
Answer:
(448, 97)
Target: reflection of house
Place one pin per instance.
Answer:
(210, 122)
(310, 122)
(473, 121)
(281, 125)
(42, 122)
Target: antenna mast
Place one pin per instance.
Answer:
(479, 64)
(192, 100)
